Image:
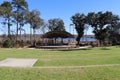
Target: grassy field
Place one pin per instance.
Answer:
(95, 56)
(99, 73)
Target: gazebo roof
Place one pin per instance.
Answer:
(58, 34)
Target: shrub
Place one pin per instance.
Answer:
(8, 43)
(21, 43)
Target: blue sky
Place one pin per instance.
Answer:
(64, 9)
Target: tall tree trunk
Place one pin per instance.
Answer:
(17, 26)
(34, 41)
(9, 36)
(30, 35)
(101, 42)
(78, 40)
(20, 34)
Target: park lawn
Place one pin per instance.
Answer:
(93, 73)
(94, 56)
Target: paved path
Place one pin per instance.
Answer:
(17, 62)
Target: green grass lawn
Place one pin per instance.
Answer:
(65, 58)
(94, 56)
(99, 73)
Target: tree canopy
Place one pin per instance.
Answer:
(6, 13)
(102, 23)
(56, 24)
(19, 6)
(79, 20)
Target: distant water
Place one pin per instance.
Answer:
(88, 39)
(82, 39)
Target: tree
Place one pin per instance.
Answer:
(79, 20)
(35, 22)
(19, 6)
(30, 16)
(56, 24)
(44, 28)
(22, 22)
(6, 13)
(115, 34)
(102, 24)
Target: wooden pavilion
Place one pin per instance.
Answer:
(57, 34)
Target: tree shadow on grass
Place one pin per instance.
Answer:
(105, 48)
(75, 49)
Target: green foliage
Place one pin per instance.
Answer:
(79, 20)
(102, 24)
(8, 43)
(115, 35)
(7, 15)
(35, 21)
(56, 24)
(20, 4)
(19, 13)
(21, 43)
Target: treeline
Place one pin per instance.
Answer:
(106, 26)
(17, 14)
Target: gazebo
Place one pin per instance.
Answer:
(57, 34)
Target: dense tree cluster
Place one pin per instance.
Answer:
(17, 13)
(103, 24)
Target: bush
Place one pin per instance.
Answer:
(21, 43)
(8, 43)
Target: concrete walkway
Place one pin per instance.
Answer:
(17, 62)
